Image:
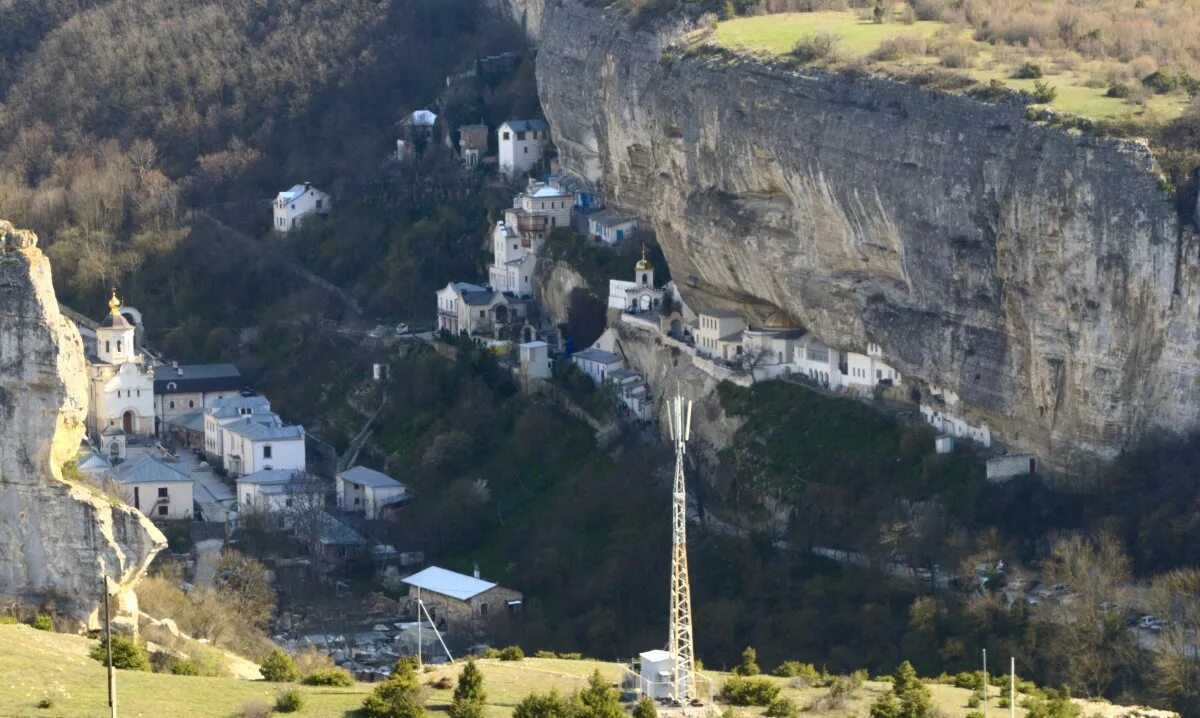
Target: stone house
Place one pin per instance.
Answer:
(458, 603)
(367, 491)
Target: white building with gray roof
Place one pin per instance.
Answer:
(367, 491)
(158, 489)
(257, 443)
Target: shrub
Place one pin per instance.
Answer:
(994, 91)
(898, 46)
(741, 691)
(469, 695)
(1118, 89)
(8, 621)
(329, 677)
(444, 683)
(1029, 71)
(645, 708)
(279, 667)
(806, 672)
(1161, 81)
(974, 700)
(545, 654)
(817, 46)
(126, 654)
(490, 652)
(1043, 93)
(310, 661)
(512, 653)
(256, 709)
(957, 55)
(749, 664)
(46, 703)
(970, 680)
(397, 697)
(42, 622)
(579, 657)
(542, 705)
(781, 708)
(1059, 706)
(289, 701)
(185, 668)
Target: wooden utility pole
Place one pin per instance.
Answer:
(112, 673)
(1012, 687)
(985, 683)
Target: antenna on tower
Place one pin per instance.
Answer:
(682, 650)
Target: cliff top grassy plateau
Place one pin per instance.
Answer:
(1133, 63)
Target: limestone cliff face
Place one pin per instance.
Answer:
(554, 282)
(56, 540)
(1043, 276)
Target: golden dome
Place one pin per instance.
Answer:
(643, 263)
(114, 304)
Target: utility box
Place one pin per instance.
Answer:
(656, 674)
(535, 360)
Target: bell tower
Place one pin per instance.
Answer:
(644, 271)
(114, 335)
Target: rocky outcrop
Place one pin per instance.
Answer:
(554, 282)
(1043, 276)
(57, 540)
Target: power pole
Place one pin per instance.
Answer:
(683, 680)
(985, 681)
(112, 673)
(1012, 687)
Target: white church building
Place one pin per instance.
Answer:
(518, 238)
(120, 379)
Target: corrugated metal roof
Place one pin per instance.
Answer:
(369, 477)
(147, 469)
(449, 583)
(193, 378)
(269, 476)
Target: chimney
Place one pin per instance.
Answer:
(308, 185)
(476, 570)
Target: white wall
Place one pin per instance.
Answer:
(519, 156)
(290, 215)
(178, 504)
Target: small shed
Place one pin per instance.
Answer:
(368, 491)
(656, 674)
(944, 444)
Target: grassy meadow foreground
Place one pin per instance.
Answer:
(38, 665)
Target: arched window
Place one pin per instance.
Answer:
(191, 404)
(118, 345)
(171, 404)
(107, 347)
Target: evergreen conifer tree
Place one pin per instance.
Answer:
(468, 694)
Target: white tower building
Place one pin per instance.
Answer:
(120, 380)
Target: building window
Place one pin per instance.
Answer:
(506, 135)
(319, 203)
(107, 347)
(520, 135)
(139, 393)
(162, 492)
(288, 503)
(526, 149)
(483, 610)
(162, 510)
(357, 501)
(267, 451)
(118, 345)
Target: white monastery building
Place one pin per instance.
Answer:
(517, 239)
(597, 363)
(120, 379)
(522, 144)
(470, 308)
(157, 489)
(609, 227)
(225, 411)
(293, 206)
(250, 444)
(267, 490)
(719, 330)
(183, 389)
(367, 491)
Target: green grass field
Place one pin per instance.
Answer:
(37, 664)
(1080, 85)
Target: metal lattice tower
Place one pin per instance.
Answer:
(683, 684)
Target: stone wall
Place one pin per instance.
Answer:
(1044, 276)
(57, 540)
